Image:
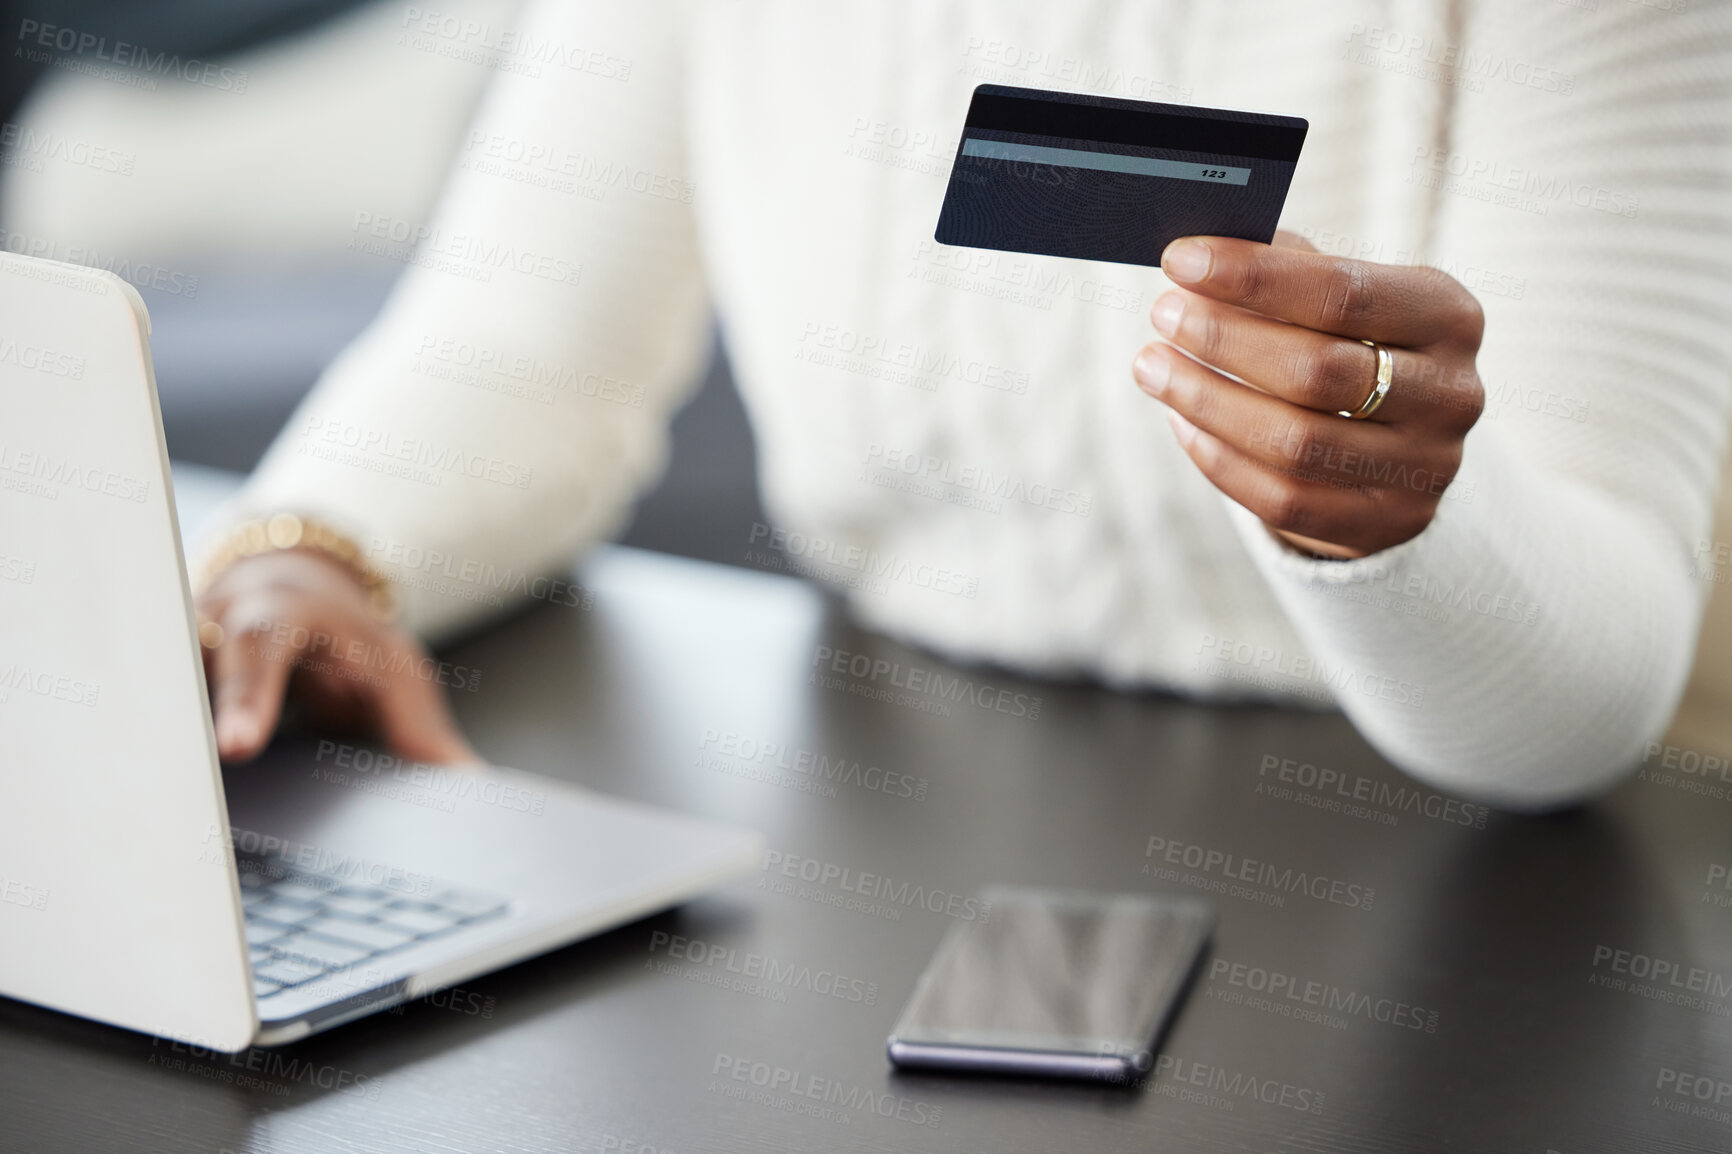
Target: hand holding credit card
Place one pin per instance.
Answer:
(1061, 174)
(1330, 397)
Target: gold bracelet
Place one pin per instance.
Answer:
(284, 531)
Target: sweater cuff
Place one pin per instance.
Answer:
(1276, 558)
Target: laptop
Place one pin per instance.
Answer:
(325, 881)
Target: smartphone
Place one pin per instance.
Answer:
(1055, 983)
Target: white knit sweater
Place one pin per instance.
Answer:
(954, 436)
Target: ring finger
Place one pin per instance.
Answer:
(1319, 371)
(1287, 437)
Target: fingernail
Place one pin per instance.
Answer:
(1153, 370)
(1166, 313)
(1187, 260)
(235, 732)
(1183, 429)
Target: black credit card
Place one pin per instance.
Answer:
(1102, 178)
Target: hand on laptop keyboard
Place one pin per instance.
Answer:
(293, 611)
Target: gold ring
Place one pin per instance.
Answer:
(1385, 374)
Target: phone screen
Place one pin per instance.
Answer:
(1049, 974)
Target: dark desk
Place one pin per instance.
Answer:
(1389, 980)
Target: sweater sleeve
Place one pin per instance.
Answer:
(1523, 648)
(513, 395)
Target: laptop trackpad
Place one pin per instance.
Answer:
(549, 846)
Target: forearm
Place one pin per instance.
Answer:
(1520, 651)
(512, 399)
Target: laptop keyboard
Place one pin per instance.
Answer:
(302, 925)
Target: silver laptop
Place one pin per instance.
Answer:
(332, 880)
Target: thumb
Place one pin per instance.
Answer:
(415, 722)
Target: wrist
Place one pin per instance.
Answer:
(290, 533)
(1309, 547)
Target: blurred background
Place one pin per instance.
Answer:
(214, 153)
(225, 185)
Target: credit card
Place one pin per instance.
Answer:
(1103, 178)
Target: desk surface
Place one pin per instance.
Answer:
(1559, 984)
